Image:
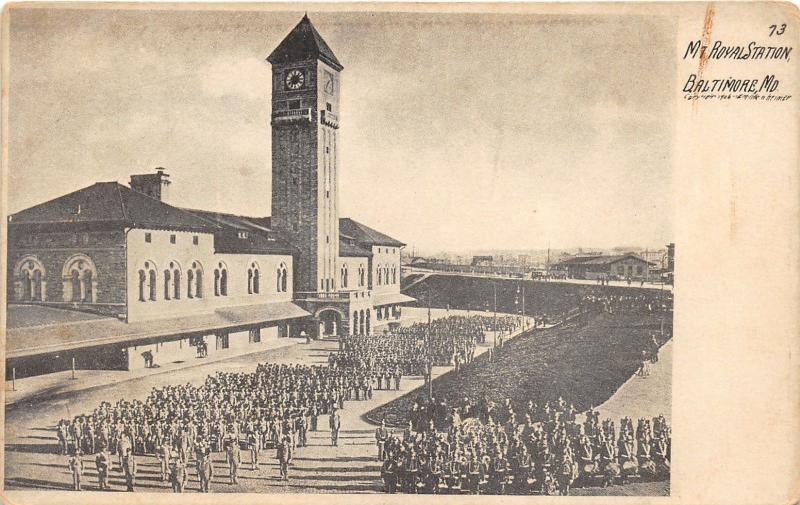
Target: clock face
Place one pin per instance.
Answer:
(294, 79)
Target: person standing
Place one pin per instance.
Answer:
(129, 469)
(234, 457)
(285, 456)
(102, 461)
(76, 467)
(381, 436)
(314, 417)
(205, 471)
(164, 456)
(253, 443)
(178, 475)
(335, 424)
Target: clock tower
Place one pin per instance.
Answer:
(305, 124)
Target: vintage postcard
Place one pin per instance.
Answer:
(280, 250)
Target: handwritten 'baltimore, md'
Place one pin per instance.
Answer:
(752, 51)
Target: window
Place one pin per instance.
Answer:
(195, 240)
(190, 284)
(380, 275)
(30, 274)
(328, 107)
(242, 234)
(253, 279)
(167, 278)
(294, 104)
(361, 275)
(255, 335)
(172, 239)
(327, 239)
(176, 283)
(282, 282)
(148, 237)
(142, 279)
(343, 281)
(394, 275)
(78, 279)
(198, 281)
(327, 193)
(152, 284)
(639, 270)
(221, 280)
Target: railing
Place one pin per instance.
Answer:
(329, 119)
(353, 294)
(287, 116)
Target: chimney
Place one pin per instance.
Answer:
(153, 185)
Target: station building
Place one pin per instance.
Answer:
(111, 275)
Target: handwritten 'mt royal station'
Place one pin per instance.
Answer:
(109, 272)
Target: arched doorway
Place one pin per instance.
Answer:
(330, 323)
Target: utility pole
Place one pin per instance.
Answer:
(430, 349)
(494, 288)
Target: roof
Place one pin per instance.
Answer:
(243, 234)
(364, 235)
(348, 249)
(55, 337)
(601, 260)
(111, 202)
(303, 43)
(379, 299)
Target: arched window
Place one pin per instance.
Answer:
(221, 280)
(30, 284)
(142, 279)
(152, 284)
(190, 283)
(27, 288)
(79, 279)
(380, 275)
(394, 274)
(249, 281)
(386, 275)
(355, 323)
(343, 282)
(176, 282)
(256, 275)
(361, 275)
(283, 283)
(199, 283)
(167, 284)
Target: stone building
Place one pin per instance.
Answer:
(109, 273)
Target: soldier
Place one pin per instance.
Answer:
(381, 435)
(178, 475)
(302, 429)
(102, 461)
(129, 469)
(314, 410)
(335, 423)
(284, 456)
(205, 471)
(389, 476)
(253, 444)
(75, 465)
(234, 456)
(164, 456)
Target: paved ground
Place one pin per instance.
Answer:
(32, 463)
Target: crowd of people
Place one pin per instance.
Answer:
(411, 350)
(273, 407)
(484, 448)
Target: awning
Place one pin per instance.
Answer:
(31, 340)
(391, 299)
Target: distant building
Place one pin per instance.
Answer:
(621, 266)
(478, 261)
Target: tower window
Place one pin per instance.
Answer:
(172, 239)
(327, 194)
(148, 237)
(328, 107)
(195, 240)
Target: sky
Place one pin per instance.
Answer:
(458, 131)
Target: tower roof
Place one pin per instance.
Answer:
(304, 42)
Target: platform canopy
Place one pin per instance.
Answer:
(391, 299)
(72, 333)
